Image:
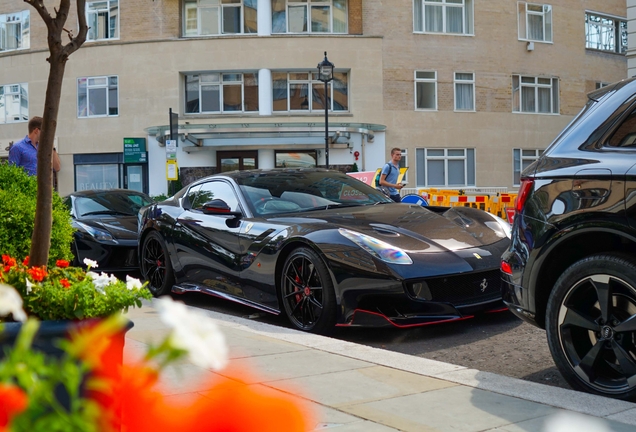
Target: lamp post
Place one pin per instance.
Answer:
(325, 74)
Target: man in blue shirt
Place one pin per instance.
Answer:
(389, 175)
(24, 153)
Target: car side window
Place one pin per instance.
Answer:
(625, 135)
(216, 190)
(191, 195)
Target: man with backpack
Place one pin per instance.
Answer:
(389, 175)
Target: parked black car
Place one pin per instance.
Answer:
(571, 266)
(106, 227)
(323, 248)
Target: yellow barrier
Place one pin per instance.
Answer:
(493, 203)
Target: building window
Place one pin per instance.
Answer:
(521, 160)
(14, 31)
(216, 92)
(425, 90)
(601, 84)
(217, 17)
(103, 20)
(303, 92)
(403, 164)
(309, 16)
(296, 159)
(97, 96)
(464, 91)
(443, 16)
(535, 95)
(535, 22)
(605, 33)
(14, 103)
(445, 167)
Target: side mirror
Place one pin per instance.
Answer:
(219, 207)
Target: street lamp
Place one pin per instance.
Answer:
(325, 74)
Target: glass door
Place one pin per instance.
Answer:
(236, 160)
(134, 178)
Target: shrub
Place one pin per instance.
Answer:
(18, 196)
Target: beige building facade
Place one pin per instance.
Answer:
(471, 90)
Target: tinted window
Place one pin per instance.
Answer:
(216, 190)
(625, 135)
(110, 203)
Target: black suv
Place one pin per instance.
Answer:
(571, 266)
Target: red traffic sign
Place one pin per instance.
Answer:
(510, 214)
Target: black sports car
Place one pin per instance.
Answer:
(324, 248)
(571, 266)
(106, 227)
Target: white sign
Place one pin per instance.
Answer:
(171, 150)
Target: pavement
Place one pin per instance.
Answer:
(350, 387)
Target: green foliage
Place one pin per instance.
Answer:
(69, 292)
(354, 168)
(18, 198)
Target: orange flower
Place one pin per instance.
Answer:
(13, 400)
(62, 263)
(65, 283)
(8, 262)
(26, 261)
(37, 273)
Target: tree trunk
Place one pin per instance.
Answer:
(41, 239)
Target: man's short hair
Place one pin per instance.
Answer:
(395, 149)
(35, 123)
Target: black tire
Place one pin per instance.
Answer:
(155, 265)
(591, 325)
(307, 292)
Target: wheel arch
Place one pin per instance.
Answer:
(569, 249)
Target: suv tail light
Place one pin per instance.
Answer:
(524, 191)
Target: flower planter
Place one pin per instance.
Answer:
(47, 340)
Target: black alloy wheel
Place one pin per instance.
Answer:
(307, 292)
(155, 265)
(591, 325)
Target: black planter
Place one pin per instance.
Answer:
(47, 338)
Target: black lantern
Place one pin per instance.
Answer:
(325, 74)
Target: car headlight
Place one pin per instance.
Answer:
(95, 232)
(502, 225)
(378, 248)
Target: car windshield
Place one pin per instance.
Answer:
(301, 191)
(109, 203)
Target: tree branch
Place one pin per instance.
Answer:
(38, 5)
(77, 41)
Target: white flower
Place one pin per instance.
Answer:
(132, 283)
(11, 303)
(29, 285)
(99, 281)
(90, 263)
(112, 279)
(195, 333)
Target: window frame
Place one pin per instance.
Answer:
(526, 28)
(220, 24)
(311, 82)
(620, 33)
(468, 182)
(221, 84)
(517, 165)
(425, 81)
(108, 96)
(555, 103)
(23, 37)
(22, 93)
(308, 6)
(109, 21)
(471, 82)
(468, 16)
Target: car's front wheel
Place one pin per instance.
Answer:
(591, 325)
(155, 265)
(307, 292)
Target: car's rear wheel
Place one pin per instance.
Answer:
(591, 325)
(155, 265)
(307, 292)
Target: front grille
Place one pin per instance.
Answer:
(460, 290)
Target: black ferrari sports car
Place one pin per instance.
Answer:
(324, 248)
(106, 227)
